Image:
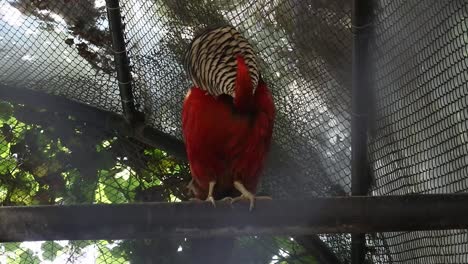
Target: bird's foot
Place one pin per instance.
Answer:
(191, 186)
(192, 189)
(251, 198)
(208, 199)
(226, 199)
(211, 199)
(210, 193)
(246, 195)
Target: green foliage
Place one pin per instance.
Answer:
(270, 249)
(294, 252)
(6, 110)
(47, 158)
(25, 257)
(49, 161)
(10, 247)
(109, 255)
(50, 250)
(116, 185)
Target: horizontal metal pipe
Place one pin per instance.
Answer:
(356, 214)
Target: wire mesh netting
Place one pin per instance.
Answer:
(51, 157)
(418, 138)
(313, 81)
(59, 47)
(142, 251)
(420, 141)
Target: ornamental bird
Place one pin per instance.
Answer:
(227, 117)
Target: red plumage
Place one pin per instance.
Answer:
(227, 138)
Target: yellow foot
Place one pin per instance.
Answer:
(246, 195)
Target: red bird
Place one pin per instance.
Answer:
(227, 117)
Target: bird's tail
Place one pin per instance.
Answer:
(244, 98)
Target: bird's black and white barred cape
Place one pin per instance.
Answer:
(211, 60)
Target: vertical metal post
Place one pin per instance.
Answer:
(361, 25)
(121, 60)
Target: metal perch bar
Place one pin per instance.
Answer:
(150, 136)
(358, 214)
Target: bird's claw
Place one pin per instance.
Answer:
(212, 200)
(192, 189)
(251, 199)
(226, 199)
(246, 194)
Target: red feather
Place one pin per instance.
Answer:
(227, 139)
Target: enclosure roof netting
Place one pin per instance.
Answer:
(417, 137)
(64, 48)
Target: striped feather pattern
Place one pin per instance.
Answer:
(211, 60)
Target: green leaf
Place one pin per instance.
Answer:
(3, 193)
(155, 153)
(70, 177)
(150, 179)
(80, 244)
(11, 247)
(25, 188)
(80, 188)
(50, 250)
(27, 257)
(291, 246)
(6, 110)
(25, 178)
(4, 147)
(118, 252)
(107, 256)
(118, 186)
(101, 195)
(7, 164)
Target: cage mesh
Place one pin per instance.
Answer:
(417, 138)
(59, 47)
(419, 144)
(312, 98)
(54, 158)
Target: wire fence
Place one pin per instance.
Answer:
(53, 158)
(419, 139)
(417, 135)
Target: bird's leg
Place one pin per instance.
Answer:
(210, 198)
(192, 189)
(245, 194)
